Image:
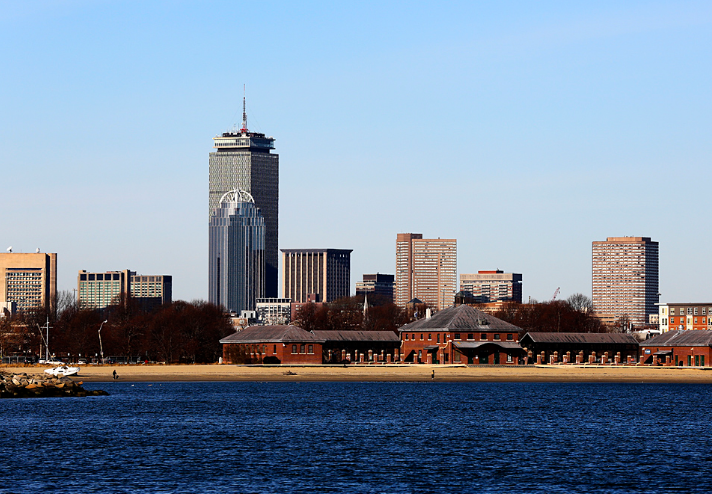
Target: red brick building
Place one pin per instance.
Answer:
(582, 348)
(461, 335)
(678, 347)
(272, 345)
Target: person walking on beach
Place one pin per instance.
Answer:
(116, 376)
(433, 376)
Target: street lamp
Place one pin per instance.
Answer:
(101, 348)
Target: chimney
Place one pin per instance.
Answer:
(427, 313)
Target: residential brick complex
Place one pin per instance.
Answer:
(687, 316)
(492, 286)
(426, 269)
(325, 272)
(461, 334)
(625, 279)
(28, 280)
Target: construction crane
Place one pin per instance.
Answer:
(556, 294)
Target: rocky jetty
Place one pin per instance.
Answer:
(41, 386)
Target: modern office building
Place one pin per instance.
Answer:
(243, 160)
(237, 253)
(101, 290)
(382, 285)
(625, 279)
(28, 280)
(492, 286)
(274, 311)
(324, 272)
(426, 269)
(687, 316)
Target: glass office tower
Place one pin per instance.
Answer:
(237, 253)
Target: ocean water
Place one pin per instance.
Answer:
(361, 438)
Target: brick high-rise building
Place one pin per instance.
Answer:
(625, 279)
(426, 269)
(28, 280)
(243, 161)
(324, 272)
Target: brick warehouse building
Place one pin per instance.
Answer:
(582, 348)
(461, 334)
(678, 347)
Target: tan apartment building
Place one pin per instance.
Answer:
(101, 290)
(324, 272)
(687, 316)
(426, 269)
(492, 286)
(28, 280)
(625, 279)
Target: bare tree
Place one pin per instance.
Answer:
(580, 302)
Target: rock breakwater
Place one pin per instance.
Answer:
(25, 385)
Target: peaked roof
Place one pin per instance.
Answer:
(271, 334)
(680, 337)
(357, 336)
(577, 338)
(461, 318)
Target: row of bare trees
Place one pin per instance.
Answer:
(347, 314)
(176, 332)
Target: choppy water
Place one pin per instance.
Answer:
(361, 437)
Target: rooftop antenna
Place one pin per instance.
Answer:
(9, 249)
(244, 113)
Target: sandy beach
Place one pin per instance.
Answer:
(393, 373)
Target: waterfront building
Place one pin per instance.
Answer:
(625, 279)
(582, 348)
(678, 347)
(381, 285)
(243, 160)
(492, 286)
(29, 281)
(323, 272)
(688, 316)
(98, 290)
(236, 274)
(274, 311)
(426, 269)
(461, 335)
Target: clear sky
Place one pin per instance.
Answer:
(525, 130)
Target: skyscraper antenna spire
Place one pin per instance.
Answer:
(244, 113)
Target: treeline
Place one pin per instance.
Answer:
(178, 332)
(574, 315)
(347, 314)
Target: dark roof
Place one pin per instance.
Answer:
(679, 337)
(357, 336)
(461, 318)
(582, 338)
(509, 345)
(271, 334)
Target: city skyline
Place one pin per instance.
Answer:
(573, 114)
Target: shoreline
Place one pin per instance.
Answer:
(383, 373)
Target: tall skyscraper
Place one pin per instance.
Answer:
(325, 272)
(28, 280)
(243, 160)
(426, 269)
(237, 253)
(625, 279)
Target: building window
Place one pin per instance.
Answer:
(406, 337)
(496, 337)
(294, 349)
(430, 336)
(458, 357)
(672, 320)
(457, 336)
(421, 336)
(510, 337)
(689, 311)
(695, 320)
(310, 349)
(483, 336)
(695, 310)
(274, 350)
(438, 338)
(509, 357)
(301, 348)
(470, 336)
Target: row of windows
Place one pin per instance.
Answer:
(470, 336)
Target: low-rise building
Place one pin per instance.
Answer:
(272, 345)
(582, 348)
(274, 311)
(689, 316)
(678, 347)
(461, 334)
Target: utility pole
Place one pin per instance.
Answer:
(101, 347)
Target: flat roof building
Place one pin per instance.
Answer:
(492, 286)
(426, 269)
(324, 272)
(688, 316)
(110, 288)
(625, 279)
(378, 284)
(28, 280)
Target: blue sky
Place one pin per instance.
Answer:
(525, 130)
